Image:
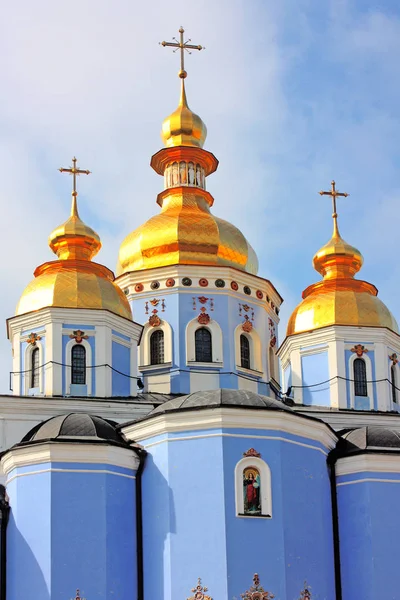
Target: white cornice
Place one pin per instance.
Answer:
(232, 418)
(371, 463)
(338, 419)
(69, 453)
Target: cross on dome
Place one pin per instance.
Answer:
(74, 171)
(182, 46)
(334, 193)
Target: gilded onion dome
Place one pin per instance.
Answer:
(185, 231)
(74, 281)
(339, 299)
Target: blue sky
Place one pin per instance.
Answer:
(294, 94)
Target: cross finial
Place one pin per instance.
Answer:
(74, 171)
(182, 46)
(333, 192)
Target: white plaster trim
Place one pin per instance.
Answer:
(28, 365)
(96, 472)
(68, 362)
(120, 341)
(229, 418)
(369, 480)
(144, 348)
(373, 463)
(370, 387)
(319, 349)
(266, 488)
(216, 341)
(69, 453)
(255, 350)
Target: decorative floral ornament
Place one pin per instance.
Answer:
(394, 359)
(154, 319)
(33, 338)
(252, 452)
(199, 592)
(305, 594)
(256, 591)
(272, 333)
(203, 318)
(247, 325)
(78, 596)
(359, 349)
(155, 302)
(202, 299)
(78, 335)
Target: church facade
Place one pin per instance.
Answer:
(160, 443)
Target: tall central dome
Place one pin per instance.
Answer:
(185, 231)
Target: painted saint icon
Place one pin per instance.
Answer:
(251, 491)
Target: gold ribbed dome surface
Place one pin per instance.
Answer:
(339, 299)
(185, 232)
(183, 127)
(74, 281)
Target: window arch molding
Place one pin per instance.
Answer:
(144, 348)
(368, 369)
(266, 485)
(89, 363)
(255, 349)
(216, 341)
(28, 365)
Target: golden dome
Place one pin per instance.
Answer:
(339, 299)
(185, 232)
(74, 281)
(183, 127)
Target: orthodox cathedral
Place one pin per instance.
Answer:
(160, 443)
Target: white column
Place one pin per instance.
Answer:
(53, 352)
(103, 355)
(134, 368)
(297, 379)
(337, 366)
(16, 364)
(381, 372)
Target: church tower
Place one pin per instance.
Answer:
(73, 333)
(342, 343)
(191, 277)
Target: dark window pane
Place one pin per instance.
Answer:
(360, 378)
(35, 368)
(157, 347)
(393, 380)
(203, 345)
(78, 363)
(244, 352)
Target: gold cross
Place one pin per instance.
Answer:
(334, 194)
(74, 171)
(182, 46)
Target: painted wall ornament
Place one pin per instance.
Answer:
(247, 325)
(78, 335)
(199, 592)
(306, 593)
(359, 349)
(252, 452)
(203, 317)
(251, 491)
(155, 302)
(256, 591)
(154, 319)
(33, 338)
(394, 359)
(78, 596)
(203, 300)
(272, 333)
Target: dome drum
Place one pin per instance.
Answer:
(165, 156)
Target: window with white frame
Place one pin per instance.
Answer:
(78, 365)
(253, 488)
(393, 381)
(245, 353)
(360, 377)
(203, 345)
(35, 375)
(157, 347)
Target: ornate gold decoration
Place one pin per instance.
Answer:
(182, 46)
(247, 325)
(78, 335)
(252, 452)
(359, 349)
(306, 593)
(74, 171)
(73, 281)
(199, 592)
(339, 299)
(33, 338)
(333, 193)
(393, 358)
(256, 591)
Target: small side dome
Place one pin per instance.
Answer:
(371, 438)
(218, 398)
(75, 427)
(183, 127)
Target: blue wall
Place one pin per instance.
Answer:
(71, 529)
(191, 528)
(315, 369)
(121, 359)
(369, 522)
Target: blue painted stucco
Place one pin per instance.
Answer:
(315, 370)
(75, 531)
(121, 359)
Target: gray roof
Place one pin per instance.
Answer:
(370, 438)
(75, 427)
(217, 398)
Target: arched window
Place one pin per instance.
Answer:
(34, 383)
(393, 382)
(360, 377)
(78, 365)
(271, 360)
(157, 347)
(244, 352)
(203, 345)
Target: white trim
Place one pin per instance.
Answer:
(216, 342)
(255, 350)
(368, 480)
(234, 435)
(68, 362)
(144, 348)
(28, 365)
(49, 452)
(232, 418)
(266, 488)
(372, 463)
(370, 387)
(94, 472)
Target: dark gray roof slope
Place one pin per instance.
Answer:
(75, 427)
(370, 438)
